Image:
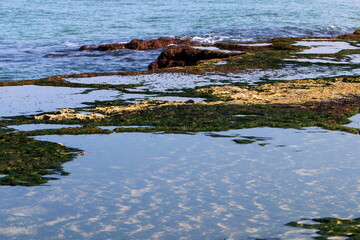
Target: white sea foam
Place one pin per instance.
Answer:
(209, 39)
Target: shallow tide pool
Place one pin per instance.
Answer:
(31, 99)
(176, 186)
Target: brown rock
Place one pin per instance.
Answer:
(86, 48)
(138, 44)
(104, 47)
(354, 35)
(186, 56)
(107, 47)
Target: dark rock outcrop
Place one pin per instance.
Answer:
(104, 47)
(138, 44)
(186, 56)
(107, 47)
(354, 35)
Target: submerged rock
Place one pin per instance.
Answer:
(187, 56)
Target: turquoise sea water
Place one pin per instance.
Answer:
(40, 38)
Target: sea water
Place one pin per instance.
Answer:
(41, 38)
(172, 186)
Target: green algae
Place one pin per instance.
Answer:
(200, 118)
(28, 162)
(332, 227)
(204, 118)
(244, 141)
(219, 135)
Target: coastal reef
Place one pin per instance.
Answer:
(189, 88)
(28, 162)
(187, 56)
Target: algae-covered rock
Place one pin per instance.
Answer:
(143, 105)
(67, 114)
(332, 227)
(27, 162)
(187, 56)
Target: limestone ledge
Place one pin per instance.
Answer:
(141, 105)
(292, 92)
(69, 114)
(299, 92)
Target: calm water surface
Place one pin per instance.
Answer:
(166, 186)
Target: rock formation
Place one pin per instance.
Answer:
(354, 35)
(138, 44)
(186, 56)
(68, 114)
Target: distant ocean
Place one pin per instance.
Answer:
(40, 38)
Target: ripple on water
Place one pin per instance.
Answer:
(172, 186)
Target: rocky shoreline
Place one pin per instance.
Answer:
(325, 102)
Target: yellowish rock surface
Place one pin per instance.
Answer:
(292, 92)
(69, 114)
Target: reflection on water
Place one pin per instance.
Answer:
(324, 47)
(172, 82)
(31, 99)
(355, 121)
(168, 186)
(32, 127)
